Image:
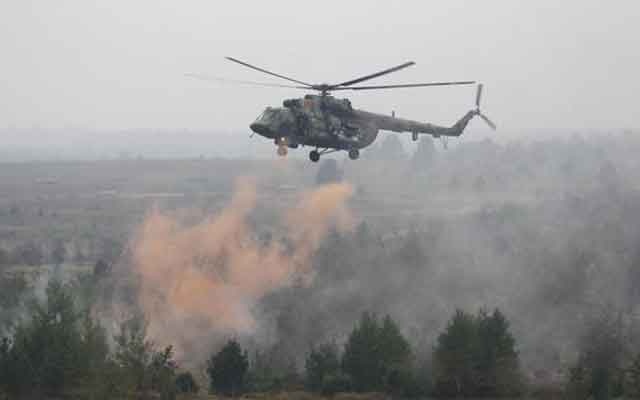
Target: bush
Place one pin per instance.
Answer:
(227, 369)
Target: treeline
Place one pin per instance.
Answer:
(57, 252)
(474, 356)
(59, 349)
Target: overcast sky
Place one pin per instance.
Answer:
(569, 65)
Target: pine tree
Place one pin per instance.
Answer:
(361, 358)
(395, 356)
(376, 355)
(227, 369)
(47, 353)
(497, 367)
(454, 356)
(476, 356)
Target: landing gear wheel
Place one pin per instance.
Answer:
(314, 155)
(282, 151)
(354, 154)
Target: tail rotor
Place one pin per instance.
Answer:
(477, 110)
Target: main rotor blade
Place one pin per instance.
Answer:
(210, 78)
(408, 85)
(488, 121)
(377, 74)
(267, 72)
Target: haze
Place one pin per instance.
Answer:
(548, 66)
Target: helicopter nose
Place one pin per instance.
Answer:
(261, 129)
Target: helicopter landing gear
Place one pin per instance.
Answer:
(282, 151)
(354, 154)
(314, 155)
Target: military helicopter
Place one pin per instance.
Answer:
(329, 124)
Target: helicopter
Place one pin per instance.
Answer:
(329, 124)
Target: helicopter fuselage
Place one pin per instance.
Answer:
(325, 122)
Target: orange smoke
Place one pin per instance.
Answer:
(205, 278)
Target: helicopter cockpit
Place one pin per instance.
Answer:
(271, 122)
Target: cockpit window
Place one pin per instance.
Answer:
(267, 115)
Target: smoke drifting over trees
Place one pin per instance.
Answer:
(550, 237)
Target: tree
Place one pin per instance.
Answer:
(476, 356)
(454, 356)
(632, 378)
(321, 364)
(497, 364)
(376, 354)
(5, 364)
(360, 359)
(50, 351)
(227, 369)
(101, 268)
(395, 356)
(95, 362)
(162, 371)
(262, 376)
(141, 368)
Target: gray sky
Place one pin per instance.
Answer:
(120, 64)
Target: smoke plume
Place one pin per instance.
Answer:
(203, 279)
